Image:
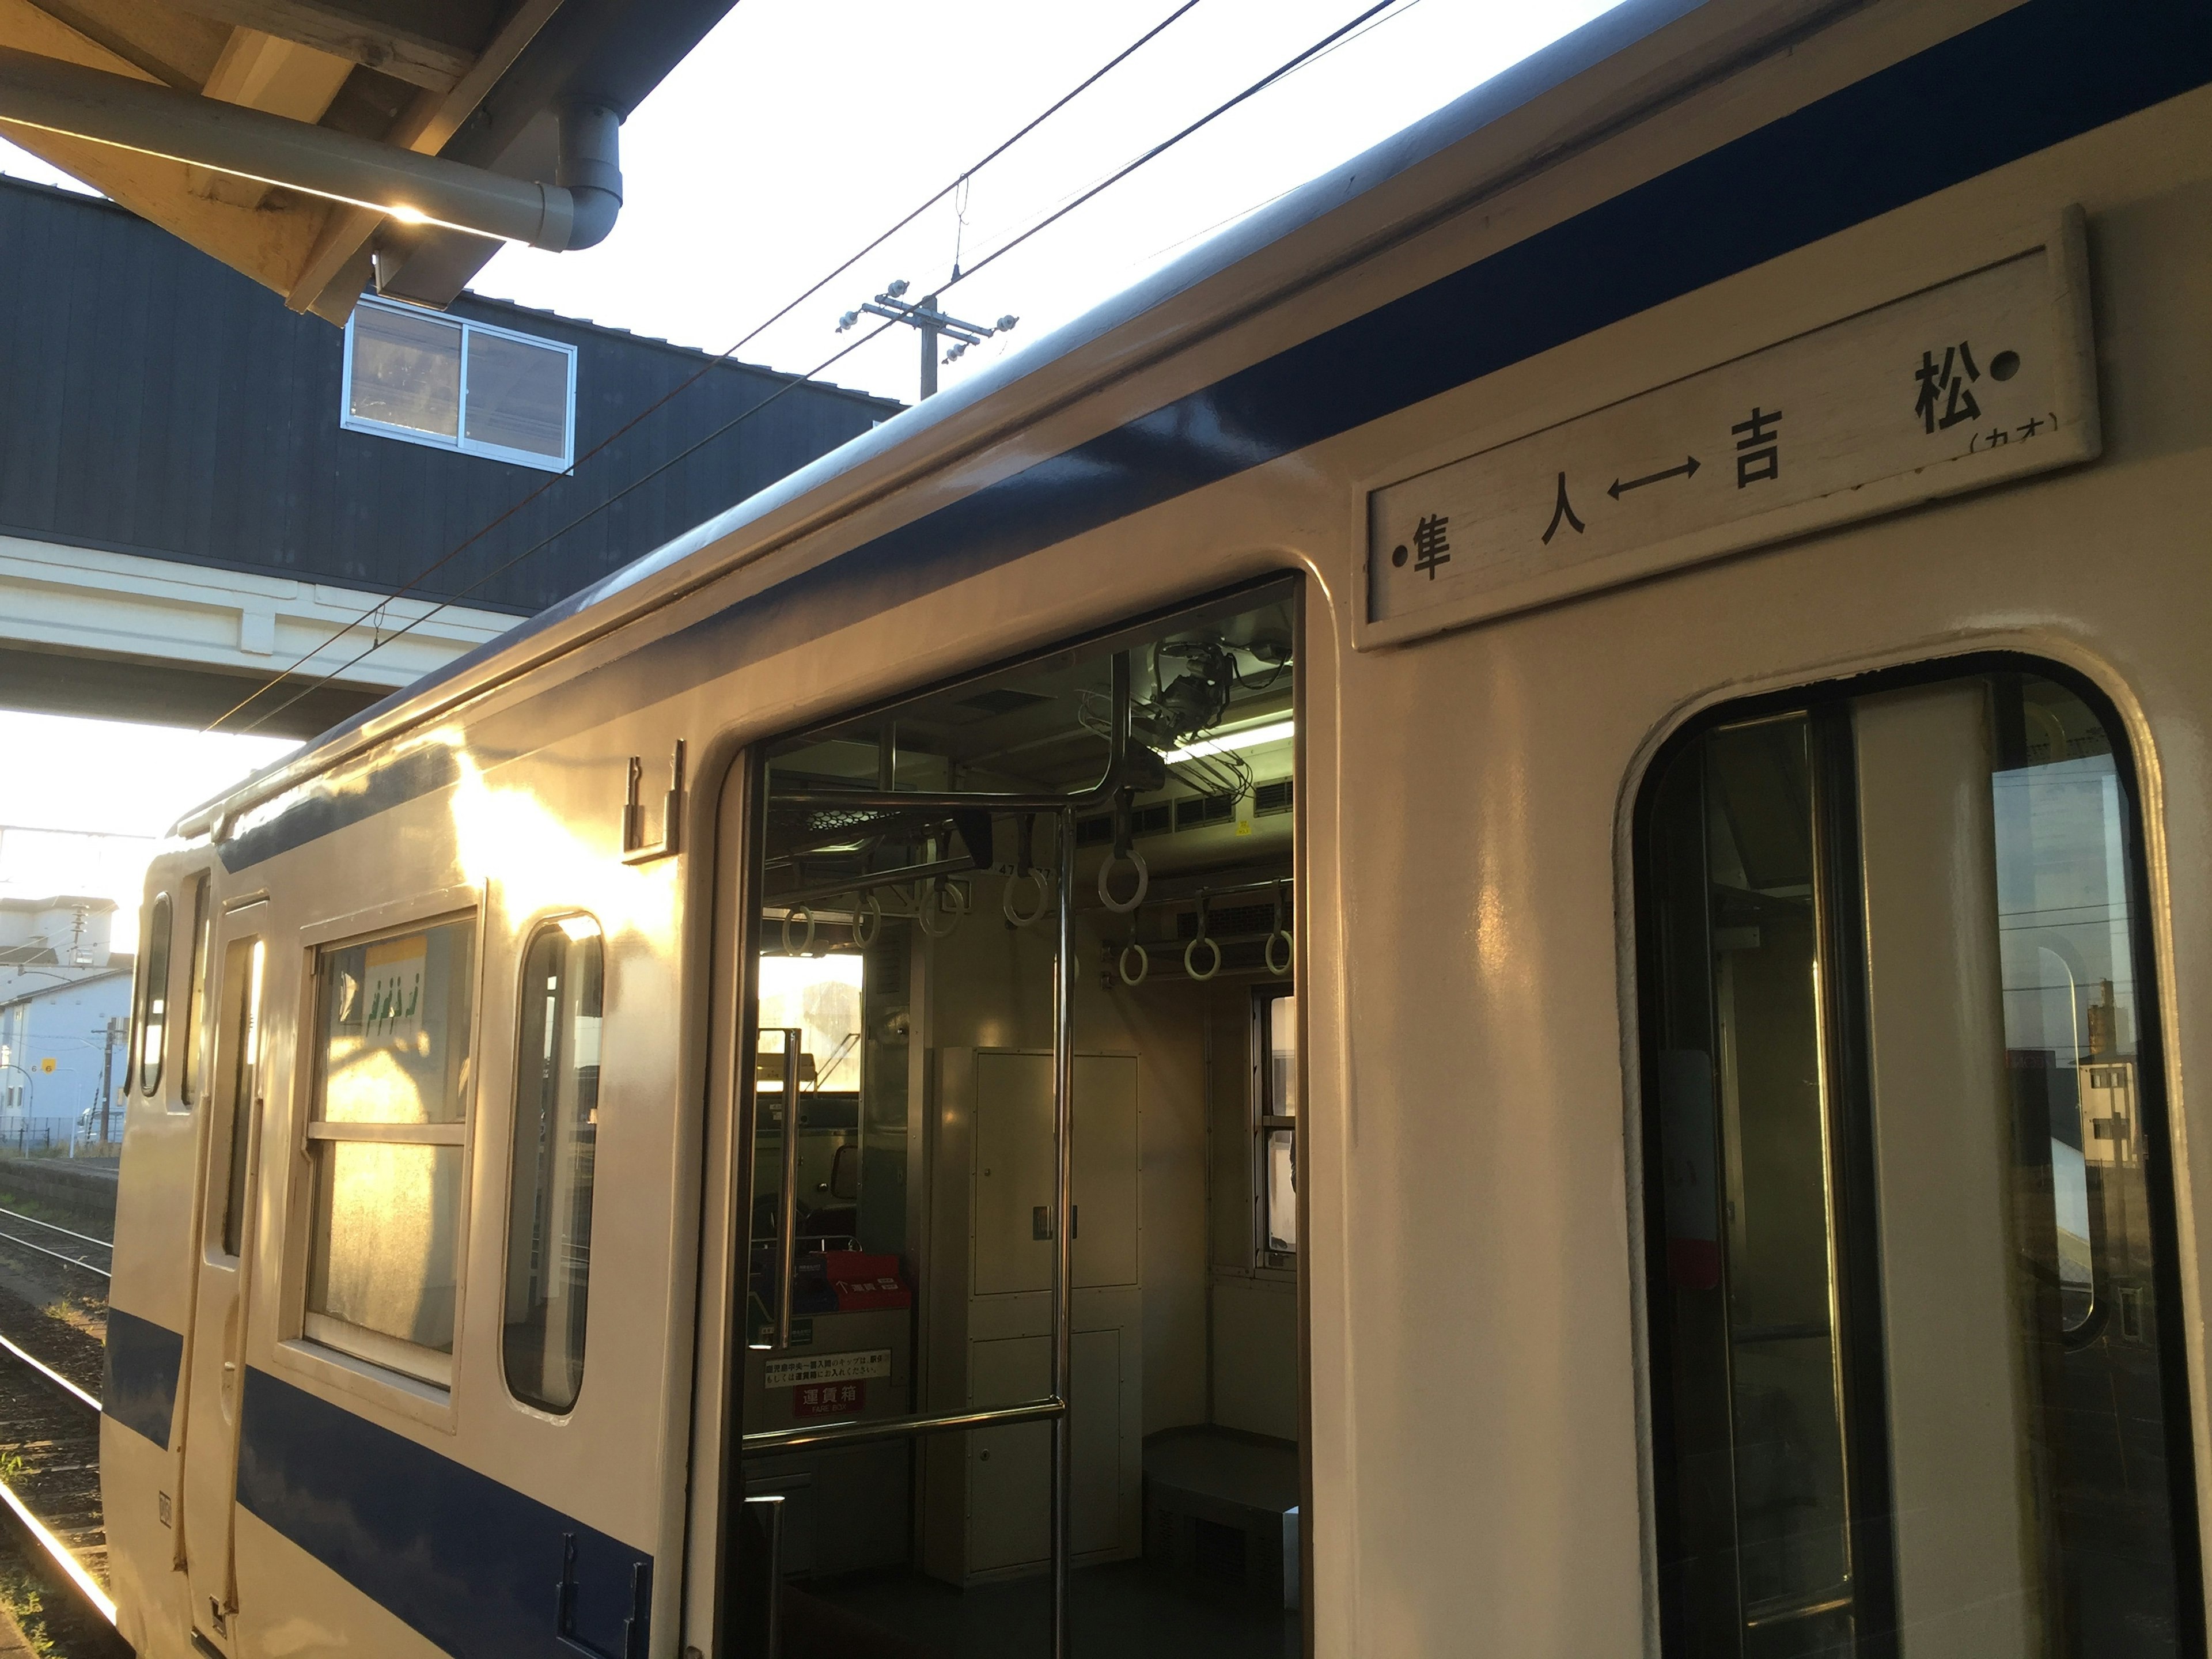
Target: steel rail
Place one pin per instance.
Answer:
(73, 1261)
(104, 1244)
(64, 1558)
(50, 1374)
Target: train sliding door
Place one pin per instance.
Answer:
(1914, 1293)
(1005, 942)
(215, 1355)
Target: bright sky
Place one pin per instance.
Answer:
(801, 128)
(796, 131)
(131, 782)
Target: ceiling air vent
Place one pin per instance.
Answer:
(1193, 810)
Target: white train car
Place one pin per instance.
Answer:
(1480, 930)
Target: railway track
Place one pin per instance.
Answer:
(54, 1295)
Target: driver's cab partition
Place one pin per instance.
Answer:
(1019, 1306)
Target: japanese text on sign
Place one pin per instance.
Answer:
(829, 1399)
(807, 1369)
(1973, 380)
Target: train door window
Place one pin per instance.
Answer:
(556, 1116)
(1913, 1264)
(384, 1142)
(1278, 1120)
(188, 1081)
(243, 967)
(153, 995)
(910, 1267)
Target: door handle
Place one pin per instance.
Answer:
(232, 1324)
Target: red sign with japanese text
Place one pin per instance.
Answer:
(829, 1399)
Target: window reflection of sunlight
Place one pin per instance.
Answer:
(821, 996)
(371, 1088)
(388, 1265)
(2070, 1177)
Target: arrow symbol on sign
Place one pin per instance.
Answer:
(1688, 469)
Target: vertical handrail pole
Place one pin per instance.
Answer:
(772, 1570)
(1063, 1228)
(787, 1220)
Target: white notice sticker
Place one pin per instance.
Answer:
(827, 1368)
(1976, 380)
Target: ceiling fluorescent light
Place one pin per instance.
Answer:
(1252, 737)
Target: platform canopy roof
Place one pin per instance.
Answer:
(481, 83)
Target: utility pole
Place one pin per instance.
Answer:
(115, 1028)
(927, 310)
(930, 323)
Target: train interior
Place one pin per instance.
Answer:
(906, 986)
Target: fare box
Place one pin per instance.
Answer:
(828, 1384)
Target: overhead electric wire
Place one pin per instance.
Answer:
(1316, 49)
(1327, 43)
(589, 512)
(993, 154)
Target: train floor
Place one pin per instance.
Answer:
(1122, 1608)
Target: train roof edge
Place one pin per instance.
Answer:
(1605, 75)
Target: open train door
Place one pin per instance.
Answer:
(215, 1339)
(931, 1226)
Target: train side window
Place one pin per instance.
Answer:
(188, 1080)
(556, 1114)
(1906, 1149)
(1277, 1123)
(244, 968)
(153, 995)
(385, 1140)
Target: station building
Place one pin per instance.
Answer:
(64, 1007)
(200, 486)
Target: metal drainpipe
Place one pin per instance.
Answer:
(588, 169)
(91, 104)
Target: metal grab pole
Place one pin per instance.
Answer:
(1063, 1230)
(787, 1220)
(771, 1527)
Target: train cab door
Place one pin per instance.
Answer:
(216, 1354)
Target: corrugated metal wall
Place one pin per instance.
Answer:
(152, 401)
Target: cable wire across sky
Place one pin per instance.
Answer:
(1318, 48)
(957, 183)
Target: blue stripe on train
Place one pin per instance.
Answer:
(2037, 75)
(475, 1567)
(329, 805)
(138, 1389)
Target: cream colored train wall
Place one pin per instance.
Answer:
(520, 840)
(1478, 1439)
(1478, 1435)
